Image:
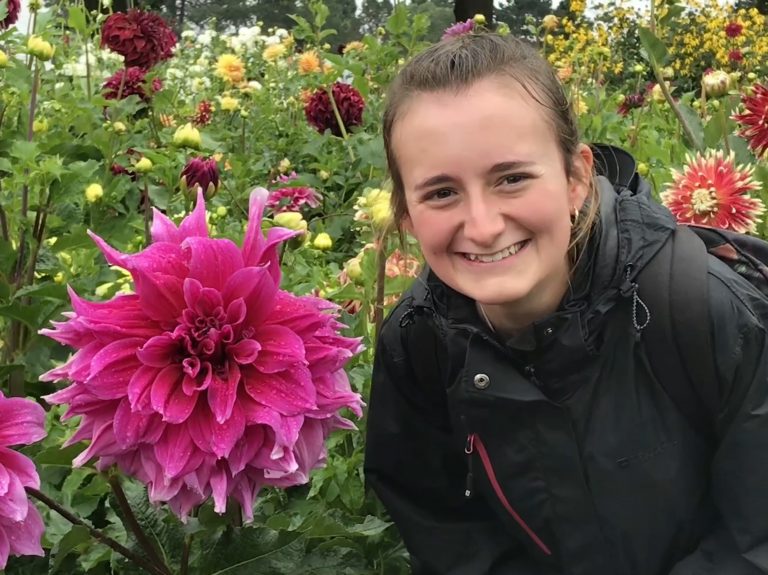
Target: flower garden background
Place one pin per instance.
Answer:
(196, 252)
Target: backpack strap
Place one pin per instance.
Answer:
(674, 286)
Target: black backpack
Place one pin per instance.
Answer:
(674, 285)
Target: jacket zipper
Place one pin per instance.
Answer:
(474, 441)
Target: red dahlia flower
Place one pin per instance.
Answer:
(200, 174)
(142, 38)
(203, 115)
(733, 29)
(754, 119)
(134, 84)
(14, 8)
(713, 191)
(631, 102)
(319, 111)
(210, 381)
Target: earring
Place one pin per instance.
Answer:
(575, 216)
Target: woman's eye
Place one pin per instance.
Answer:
(441, 194)
(512, 179)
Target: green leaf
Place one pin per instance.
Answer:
(76, 19)
(714, 130)
(673, 12)
(46, 290)
(6, 166)
(397, 23)
(694, 123)
(77, 536)
(25, 151)
(249, 550)
(654, 48)
(59, 456)
(27, 314)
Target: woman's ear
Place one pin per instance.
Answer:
(581, 175)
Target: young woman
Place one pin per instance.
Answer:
(515, 424)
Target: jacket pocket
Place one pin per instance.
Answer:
(475, 445)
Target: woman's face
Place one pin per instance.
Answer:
(487, 194)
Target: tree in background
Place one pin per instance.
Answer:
(466, 9)
(514, 13)
(374, 13)
(440, 13)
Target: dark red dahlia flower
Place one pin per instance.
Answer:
(142, 38)
(631, 102)
(134, 84)
(200, 173)
(203, 115)
(319, 111)
(733, 29)
(735, 55)
(14, 8)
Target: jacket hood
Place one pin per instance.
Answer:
(632, 227)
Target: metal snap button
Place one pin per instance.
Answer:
(548, 331)
(482, 381)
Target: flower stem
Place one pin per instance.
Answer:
(340, 122)
(95, 533)
(381, 268)
(184, 570)
(133, 525)
(145, 204)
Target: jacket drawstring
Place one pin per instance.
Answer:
(630, 288)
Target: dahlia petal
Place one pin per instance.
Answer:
(254, 238)
(112, 369)
(212, 261)
(194, 225)
(256, 288)
(166, 380)
(219, 487)
(289, 392)
(158, 351)
(222, 392)
(132, 428)
(174, 450)
(13, 505)
(325, 358)
(5, 547)
(163, 229)
(12, 462)
(213, 437)
(285, 428)
(245, 351)
(103, 443)
(281, 348)
(24, 537)
(22, 421)
(236, 312)
(245, 493)
(140, 388)
(246, 448)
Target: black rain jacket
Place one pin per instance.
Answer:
(557, 452)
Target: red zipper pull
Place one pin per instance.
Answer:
(469, 450)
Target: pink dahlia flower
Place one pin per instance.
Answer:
(21, 422)
(209, 381)
(458, 29)
(292, 199)
(712, 190)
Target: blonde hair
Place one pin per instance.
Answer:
(457, 64)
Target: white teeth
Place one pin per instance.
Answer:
(498, 256)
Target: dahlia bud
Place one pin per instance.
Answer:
(323, 241)
(119, 127)
(479, 19)
(284, 165)
(291, 220)
(3, 59)
(638, 69)
(94, 193)
(716, 83)
(35, 5)
(550, 22)
(323, 175)
(40, 126)
(228, 103)
(40, 49)
(668, 73)
(143, 166)
(221, 211)
(187, 136)
(200, 173)
(657, 95)
(354, 269)
(642, 169)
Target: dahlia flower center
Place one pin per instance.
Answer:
(704, 200)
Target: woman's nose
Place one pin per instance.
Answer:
(483, 222)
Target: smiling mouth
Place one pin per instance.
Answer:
(498, 256)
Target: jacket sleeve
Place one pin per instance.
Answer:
(416, 466)
(739, 545)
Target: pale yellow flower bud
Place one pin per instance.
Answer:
(323, 241)
(143, 166)
(94, 193)
(39, 48)
(188, 136)
(291, 220)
